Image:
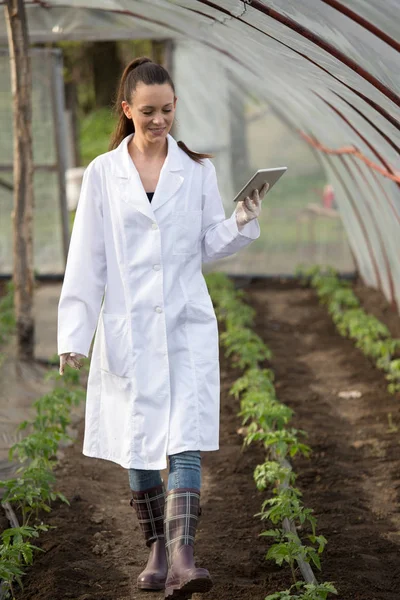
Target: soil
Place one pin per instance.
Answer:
(352, 480)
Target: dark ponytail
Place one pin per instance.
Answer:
(126, 87)
(142, 70)
(196, 156)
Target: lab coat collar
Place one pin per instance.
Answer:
(170, 180)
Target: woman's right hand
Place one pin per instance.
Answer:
(250, 208)
(71, 359)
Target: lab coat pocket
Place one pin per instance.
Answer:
(115, 351)
(186, 231)
(203, 331)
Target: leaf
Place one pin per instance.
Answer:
(63, 498)
(315, 559)
(276, 533)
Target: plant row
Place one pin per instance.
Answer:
(31, 491)
(370, 335)
(266, 420)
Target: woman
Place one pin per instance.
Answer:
(149, 214)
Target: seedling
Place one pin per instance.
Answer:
(370, 335)
(266, 419)
(32, 490)
(311, 591)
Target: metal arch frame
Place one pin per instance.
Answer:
(318, 41)
(378, 155)
(378, 231)
(373, 195)
(355, 163)
(348, 150)
(360, 221)
(379, 184)
(358, 111)
(373, 104)
(351, 14)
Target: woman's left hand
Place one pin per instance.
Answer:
(250, 208)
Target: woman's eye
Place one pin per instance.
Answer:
(151, 112)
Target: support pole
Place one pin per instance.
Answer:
(22, 216)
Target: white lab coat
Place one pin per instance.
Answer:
(153, 387)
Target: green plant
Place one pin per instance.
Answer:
(394, 376)
(95, 133)
(254, 379)
(284, 441)
(245, 346)
(268, 413)
(272, 472)
(370, 335)
(392, 428)
(310, 591)
(7, 316)
(32, 490)
(287, 505)
(265, 419)
(288, 549)
(13, 546)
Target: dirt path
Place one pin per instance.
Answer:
(351, 481)
(97, 552)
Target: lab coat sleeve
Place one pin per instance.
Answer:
(221, 236)
(85, 273)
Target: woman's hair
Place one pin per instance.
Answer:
(142, 70)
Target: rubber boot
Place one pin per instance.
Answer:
(182, 510)
(149, 505)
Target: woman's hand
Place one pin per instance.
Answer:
(250, 208)
(71, 359)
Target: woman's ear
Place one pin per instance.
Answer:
(127, 109)
(175, 99)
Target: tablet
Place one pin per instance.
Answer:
(270, 176)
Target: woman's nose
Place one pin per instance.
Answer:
(158, 119)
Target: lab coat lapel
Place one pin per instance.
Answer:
(170, 180)
(129, 182)
(171, 176)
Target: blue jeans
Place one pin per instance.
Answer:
(184, 472)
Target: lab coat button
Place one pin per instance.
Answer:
(156, 267)
(154, 226)
(158, 309)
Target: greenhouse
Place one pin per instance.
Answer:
(301, 499)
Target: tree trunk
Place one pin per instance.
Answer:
(21, 81)
(107, 69)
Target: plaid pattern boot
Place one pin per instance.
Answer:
(149, 506)
(182, 510)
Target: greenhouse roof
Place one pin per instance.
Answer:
(329, 68)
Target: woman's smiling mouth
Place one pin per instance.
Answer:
(158, 131)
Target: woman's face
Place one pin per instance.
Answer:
(152, 110)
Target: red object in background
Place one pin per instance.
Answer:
(328, 196)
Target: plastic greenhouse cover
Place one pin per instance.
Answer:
(328, 68)
(338, 31)
(379, 13)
